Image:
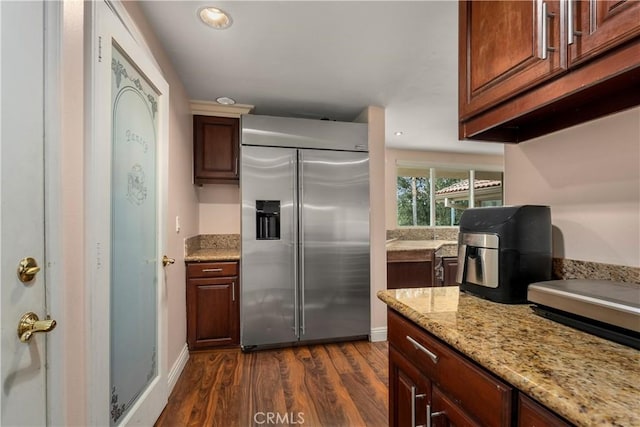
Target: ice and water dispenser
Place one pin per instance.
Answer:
(267, 219)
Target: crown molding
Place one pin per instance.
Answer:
(209, 108)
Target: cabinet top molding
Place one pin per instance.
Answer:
(210, 108)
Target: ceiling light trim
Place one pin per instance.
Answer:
(215, 18)
(225, 100)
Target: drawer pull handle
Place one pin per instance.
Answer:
(211, 270)
(418, 346)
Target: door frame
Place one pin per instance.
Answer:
(97, 211)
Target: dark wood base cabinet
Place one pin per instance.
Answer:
(213, 309)
(446, 270)
(431, 384)
(410, 269)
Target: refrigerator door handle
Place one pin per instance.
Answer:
(301, 236)
(294, 233)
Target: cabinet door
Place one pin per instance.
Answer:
(409, 392)
(598, 26)
(446, 413)
(417, 274)
(505, 48)
(450, 269)
(212, 312)
(215, 149)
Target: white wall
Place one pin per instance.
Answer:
(393, 156)
(590, 176)
(219, 209)
(375, 117)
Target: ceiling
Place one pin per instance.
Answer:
(326, 59)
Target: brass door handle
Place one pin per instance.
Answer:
(30, 324)
(27, 269)
(167, 261)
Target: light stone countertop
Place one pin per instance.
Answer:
(588, 380)
(213, 254)
(412, 245)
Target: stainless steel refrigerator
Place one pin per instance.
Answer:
(305, 231)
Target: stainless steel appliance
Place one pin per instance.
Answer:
(305, 231)
(503, 249)
(602, 307)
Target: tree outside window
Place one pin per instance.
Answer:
(452, 194)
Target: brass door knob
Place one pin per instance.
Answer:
(166, 260)
(30, 324)
(27, 269)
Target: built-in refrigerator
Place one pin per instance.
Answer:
(305, 231)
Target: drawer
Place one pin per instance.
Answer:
(484, 397)
(212, 269)
(531, 414)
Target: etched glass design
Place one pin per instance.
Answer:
(134, 278)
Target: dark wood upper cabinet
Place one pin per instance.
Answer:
(216, 149)
(597, 26)
(529, 68)
(503, 50)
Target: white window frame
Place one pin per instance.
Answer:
(431, 168)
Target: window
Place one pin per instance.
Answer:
(438, 196)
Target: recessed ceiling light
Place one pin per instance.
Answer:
(215, 18)
(225, 100)
(398, 133)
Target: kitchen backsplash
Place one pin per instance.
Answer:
(572, 269)
(424, 233)
(212, 241)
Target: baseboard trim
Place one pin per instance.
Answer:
(378, 334)
(177, 367)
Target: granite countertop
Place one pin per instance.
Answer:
(394, 245)
(588, 380)
(213, 254)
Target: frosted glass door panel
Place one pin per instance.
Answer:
(134, 268)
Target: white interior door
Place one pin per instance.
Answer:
(23, 388)
(127, 213)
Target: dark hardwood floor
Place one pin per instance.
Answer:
(329, 385)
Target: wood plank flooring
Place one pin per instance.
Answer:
(328, 385)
